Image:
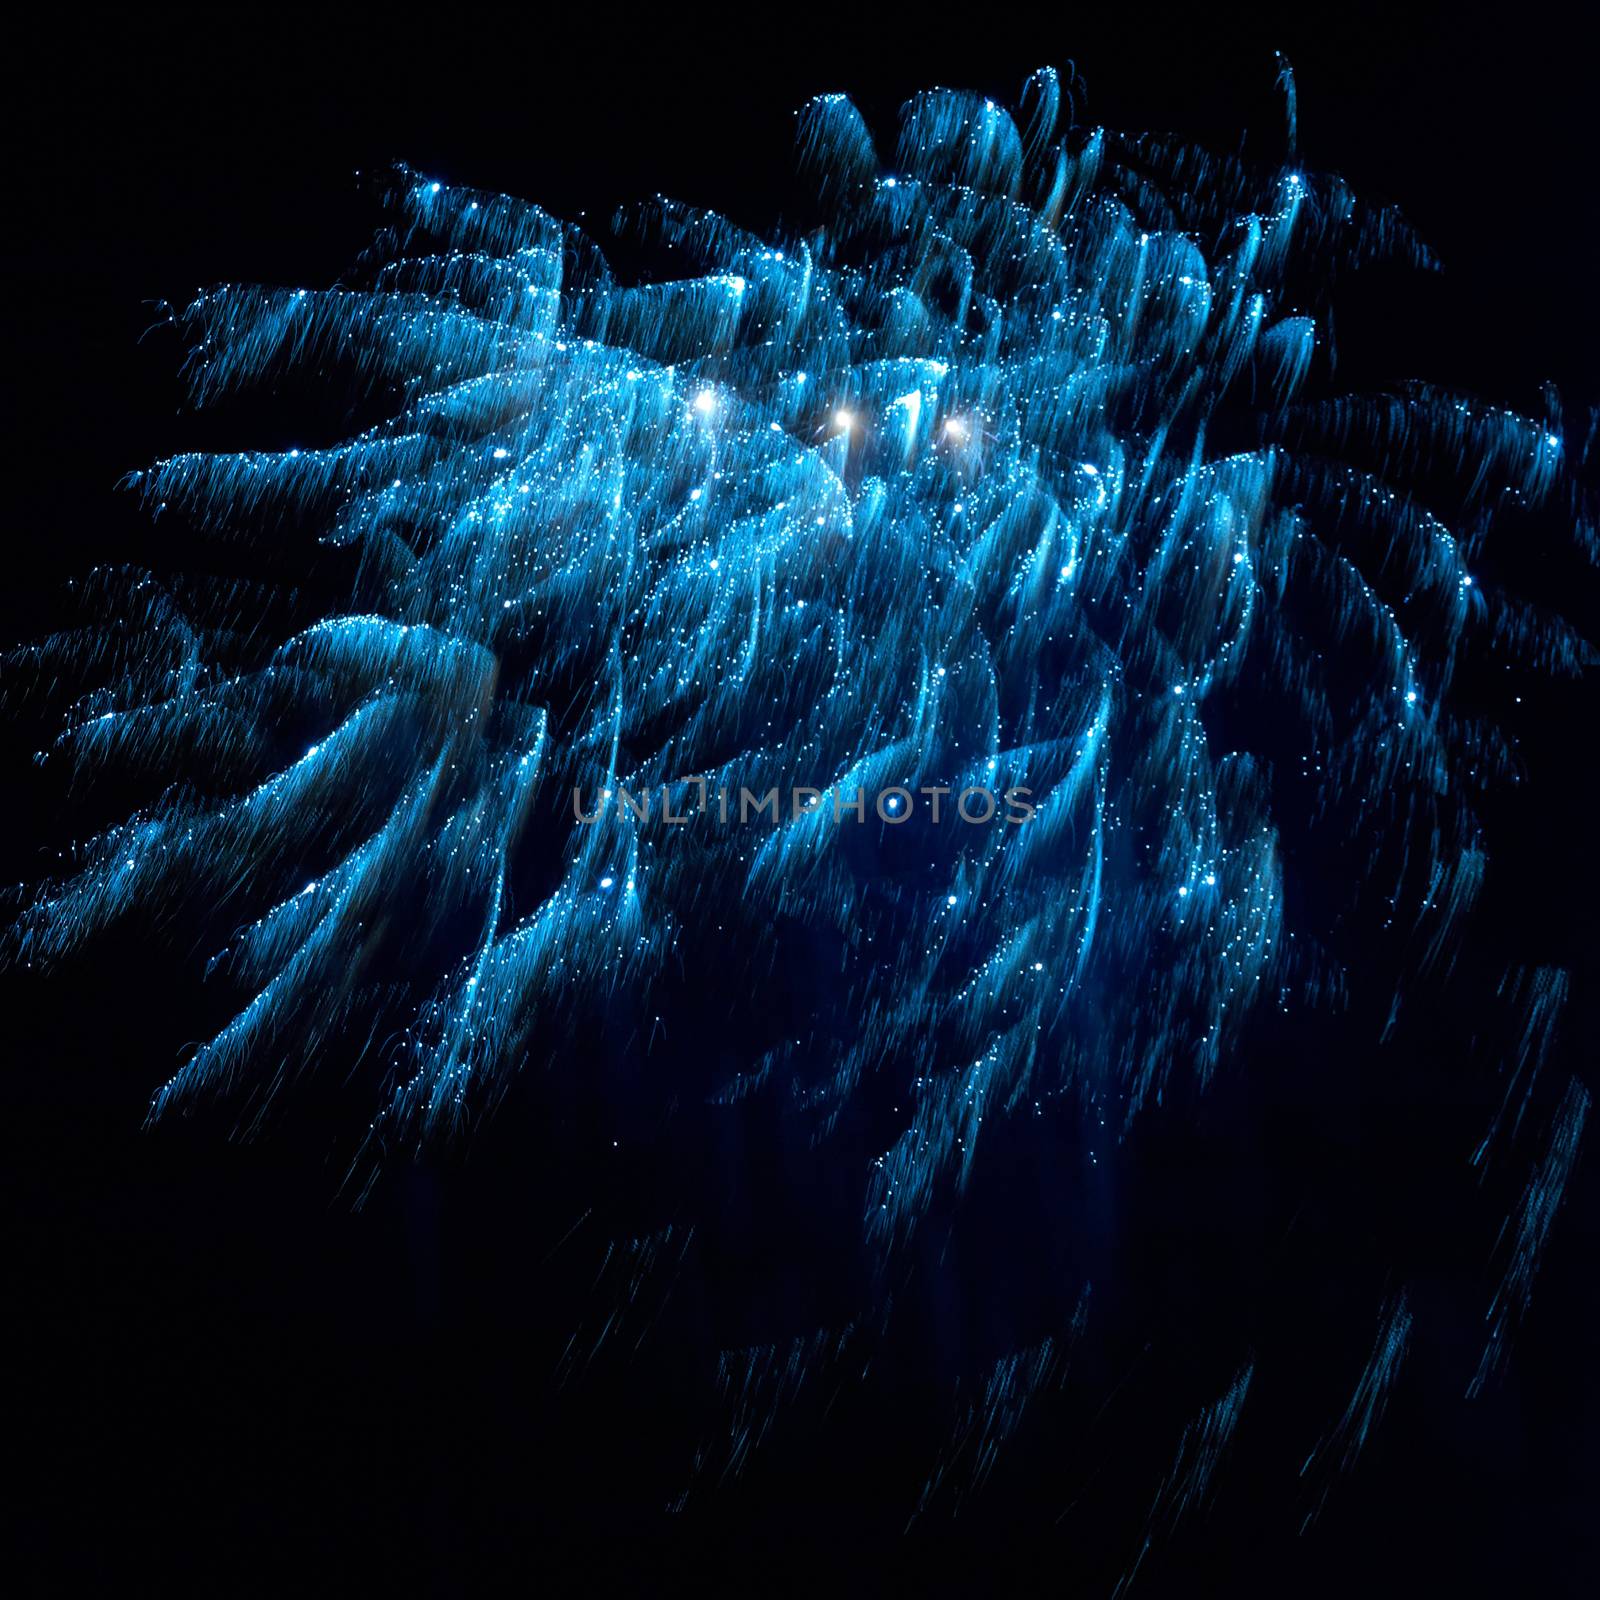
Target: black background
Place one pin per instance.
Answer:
(226, 1371)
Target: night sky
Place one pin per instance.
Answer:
(227, 1375)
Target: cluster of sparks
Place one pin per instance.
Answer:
(1005, 473)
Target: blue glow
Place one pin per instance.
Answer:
(926, 497)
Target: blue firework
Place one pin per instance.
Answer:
(1013, 466)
